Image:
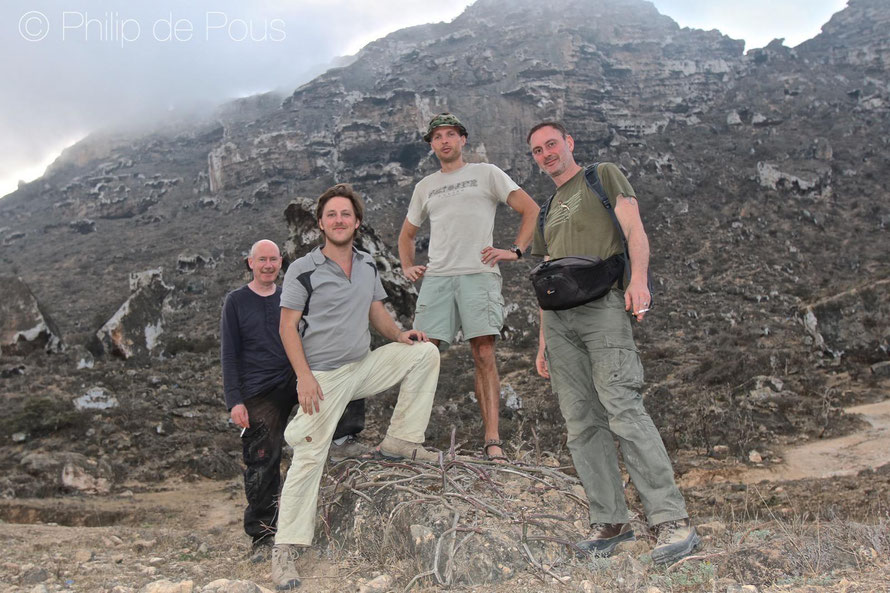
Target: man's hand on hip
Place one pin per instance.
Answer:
(493, 255)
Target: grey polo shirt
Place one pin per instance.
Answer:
(334, 325)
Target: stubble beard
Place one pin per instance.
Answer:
(340, 243)
(453, 157)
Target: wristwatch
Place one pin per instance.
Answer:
(515, 249)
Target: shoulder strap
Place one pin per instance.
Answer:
(596, 186)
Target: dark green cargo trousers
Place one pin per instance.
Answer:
(596, 373)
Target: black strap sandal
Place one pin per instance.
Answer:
(493, 443)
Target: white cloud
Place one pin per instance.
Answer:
(94, 63)
(756, 21)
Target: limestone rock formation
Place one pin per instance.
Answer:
(71, 471)
(135, 329)
(24, 326)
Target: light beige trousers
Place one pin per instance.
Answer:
(415, 366)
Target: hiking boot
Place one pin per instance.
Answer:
(284, 572)
(604, 537)
(676, 539)
(261, 549)
(393, 448)
(351, 448)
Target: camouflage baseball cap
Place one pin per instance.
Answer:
(444, 119)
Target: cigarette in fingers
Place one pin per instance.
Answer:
(646, 310)
(242, 431)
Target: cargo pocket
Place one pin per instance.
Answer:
(255, 445)
(626, 368)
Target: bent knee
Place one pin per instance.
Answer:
(429, 352)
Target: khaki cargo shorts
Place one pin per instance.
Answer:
(468, 303)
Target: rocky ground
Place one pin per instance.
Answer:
(189, 534)
(473, 526)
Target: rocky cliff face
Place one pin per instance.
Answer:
(763, 179)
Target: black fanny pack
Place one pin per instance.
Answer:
(575, 280)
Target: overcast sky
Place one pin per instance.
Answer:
(71, 66)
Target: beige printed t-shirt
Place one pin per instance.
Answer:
(460, 206)
(577, 223)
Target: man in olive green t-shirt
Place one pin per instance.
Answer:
(589, 355)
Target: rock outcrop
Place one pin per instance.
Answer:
(71, 471)
(135, 329)
(24, 326)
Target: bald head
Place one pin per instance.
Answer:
(263, 243)
(264, 262)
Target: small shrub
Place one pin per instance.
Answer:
(39, 415)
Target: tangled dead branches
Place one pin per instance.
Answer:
(463, 520)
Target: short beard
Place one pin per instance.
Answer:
(343, 243)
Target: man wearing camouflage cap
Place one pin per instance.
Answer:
(461, 289)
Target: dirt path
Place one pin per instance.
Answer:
(842, 456)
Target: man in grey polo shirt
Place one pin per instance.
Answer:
(461, 289)
(329, 297)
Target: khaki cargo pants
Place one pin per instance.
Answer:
(415, 366)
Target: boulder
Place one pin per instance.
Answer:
(881, 369)
(134, 330)
(95, 398)
(84, 226)
(795, 177)
(189, 263)
(166, 586)
(24, 326)
(230, 586)
(71, 471)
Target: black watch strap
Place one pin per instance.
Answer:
(515, 249)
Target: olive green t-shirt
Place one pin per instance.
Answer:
(577, 223)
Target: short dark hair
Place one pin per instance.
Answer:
(547, 124)
(341, 190)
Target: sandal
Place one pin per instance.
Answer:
(493, 443)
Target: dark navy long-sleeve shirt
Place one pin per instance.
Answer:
(253, 359)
